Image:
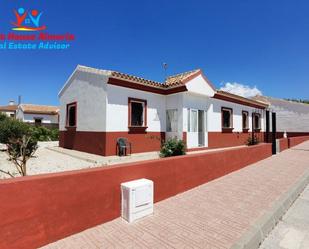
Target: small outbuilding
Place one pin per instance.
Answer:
(39, 115)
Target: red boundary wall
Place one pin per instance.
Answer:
(293, 141)
(37, 210)
(284, 144)
(290, 142)
(291, 134)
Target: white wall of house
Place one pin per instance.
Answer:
(104, 107)
(291, 121)
(117, 108)
(30, 117)
(198, 85)
(46, 119)
(88, 89)
(291, 116)
(215, 115)
(212, 108)
(8, 113)
(194, 101)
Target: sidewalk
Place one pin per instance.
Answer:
(219, 214)
(293, 230)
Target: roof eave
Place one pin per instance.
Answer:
(238, 98)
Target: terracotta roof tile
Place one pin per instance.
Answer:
(179, 79)
(139, 80)
(8, 108)
(173, 81)
(41, 109)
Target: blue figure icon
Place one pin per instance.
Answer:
(35, 17)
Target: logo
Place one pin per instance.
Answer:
(30, 20)
(27, 20)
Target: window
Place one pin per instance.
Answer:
(171, 120)
(71, 115)
(38, 121)
(12, 115)
(245, 120)
(192, 120)
(137, 113)
(256, 121)
(227, 118)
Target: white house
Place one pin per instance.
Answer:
(99, 106)
(10, 109)
(38, 115)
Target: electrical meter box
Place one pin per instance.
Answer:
(136, 199)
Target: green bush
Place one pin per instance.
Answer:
(3, 117)
(12, 129)
(41, 133)
(54, 134)
(173, 147)
(252, 140)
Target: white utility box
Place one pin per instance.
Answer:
(136, 199)
(278, 149)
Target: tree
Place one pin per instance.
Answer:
(19, 151)
(20, 143)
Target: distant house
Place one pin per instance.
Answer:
(38, 115)
(292, 117)
(10, 109)
(99, 106)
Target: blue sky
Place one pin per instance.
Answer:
(256, 43)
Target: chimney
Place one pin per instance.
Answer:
(11, 102)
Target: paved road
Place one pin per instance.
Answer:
(293, 231)
(214, 215)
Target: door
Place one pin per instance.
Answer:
(192, 135)
(196, 135)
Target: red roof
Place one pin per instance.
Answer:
(8, 108)
(39, 109)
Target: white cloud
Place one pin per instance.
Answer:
(240, 89)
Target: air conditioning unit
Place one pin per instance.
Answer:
(136, 199)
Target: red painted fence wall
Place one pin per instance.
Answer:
(37, 210)
(284, 144)
(293, 141)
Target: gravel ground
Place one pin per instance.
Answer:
(49, 158)
(45, 161)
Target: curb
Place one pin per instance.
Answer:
(253, 238)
